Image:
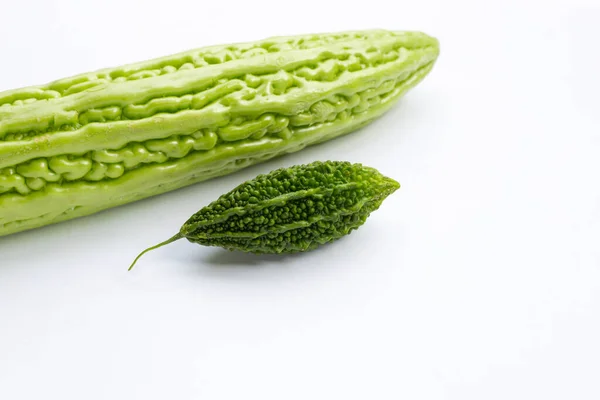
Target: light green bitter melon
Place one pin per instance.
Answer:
(101, 139)
(289, 210)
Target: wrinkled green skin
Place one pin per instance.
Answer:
(289, 210)
(98, 140)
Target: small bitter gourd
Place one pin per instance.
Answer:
(289, 210)
(97, 140)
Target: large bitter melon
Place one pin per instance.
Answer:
(97, 140)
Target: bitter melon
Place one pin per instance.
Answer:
(289, 210)
(97, 140)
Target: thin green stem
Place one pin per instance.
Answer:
(166, 242)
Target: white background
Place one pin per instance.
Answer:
(478, 279)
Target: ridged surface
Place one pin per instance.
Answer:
(97, 140)
(292, 209)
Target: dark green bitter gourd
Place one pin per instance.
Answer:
(97, 140)
(290, 209)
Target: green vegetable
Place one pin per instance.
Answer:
(97, 140)
(289, 210)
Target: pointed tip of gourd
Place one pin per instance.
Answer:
(390, 186)
(166, 242)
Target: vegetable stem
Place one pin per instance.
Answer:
(166, 242)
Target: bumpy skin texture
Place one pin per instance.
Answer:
(97, 140)
(290, 210)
